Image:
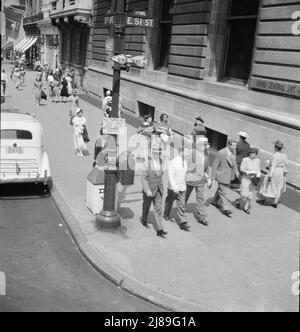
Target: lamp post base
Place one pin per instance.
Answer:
(108, 221)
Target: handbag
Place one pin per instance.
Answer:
(43, 95)
(255, 181)
(85, 135)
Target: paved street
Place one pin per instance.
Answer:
(244, 264)
(43, 267)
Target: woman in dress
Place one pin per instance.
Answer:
(56, 89)
(64, 90)
(79, 125)
(50, 83)
(275, 182)
(251, 173)
(17, 78)
(37, 87)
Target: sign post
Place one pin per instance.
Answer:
(108, 219)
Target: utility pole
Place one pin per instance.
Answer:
(108, 219)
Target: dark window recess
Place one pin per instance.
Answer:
(240, 39)
(166, 18)
(16, 134)
(217, 140)
(145, 109)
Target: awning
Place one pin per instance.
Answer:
(31, 42)
(21, 43)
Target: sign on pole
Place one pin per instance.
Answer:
(114, 126)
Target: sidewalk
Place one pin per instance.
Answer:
(242, 264)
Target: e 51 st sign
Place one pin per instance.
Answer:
(140, 22)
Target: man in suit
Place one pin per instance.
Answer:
(197, 176)
(224, 170)
(153, 189)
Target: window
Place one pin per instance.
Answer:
(165, 32)
(145, 109)
(54, 5)
(242, 20)
(16, 134)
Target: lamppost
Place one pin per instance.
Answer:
(108, 219)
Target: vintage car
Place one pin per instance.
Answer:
(22, 159)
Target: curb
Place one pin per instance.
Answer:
(120, 279)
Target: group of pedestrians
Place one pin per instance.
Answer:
(190, 170)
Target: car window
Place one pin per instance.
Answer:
(16, 134)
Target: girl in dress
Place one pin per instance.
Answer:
(56, 89)
(275, 182)
(79, 125)
(251, 173)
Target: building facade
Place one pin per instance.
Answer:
(73, 20)
(12, 32)
(234, 62)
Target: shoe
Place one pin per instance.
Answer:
(227, 213)
(161, 234)
(185, 227)
(164, 232)
(247, 211)
(203, 222)
(215, 205)
(275, 205)
(144, 223)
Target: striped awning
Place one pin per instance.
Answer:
(31, 42)
(21, 43)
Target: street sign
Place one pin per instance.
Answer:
(140, 22)
(109, 20)
(114, 126)
(130, 20)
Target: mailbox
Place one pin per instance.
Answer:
(95, 190)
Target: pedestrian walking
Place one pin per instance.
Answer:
(64, 90)
(145, 132)
(11, 69)
(74, 105)
(56, 89)
(243, 147)
(153, 190)
(72, 75)
(224, 170)
(50, 84)
(177, 190)
(251, 173)
(275, 182)
(107, 104)
(69, 87)
(79, 126)
(199, 129)
(17, 78)
(3, 81)
(197, 176)
(22, 76)
(37, 88)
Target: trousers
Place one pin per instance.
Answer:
(200, 208)
(157, 203)
(181, 206)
